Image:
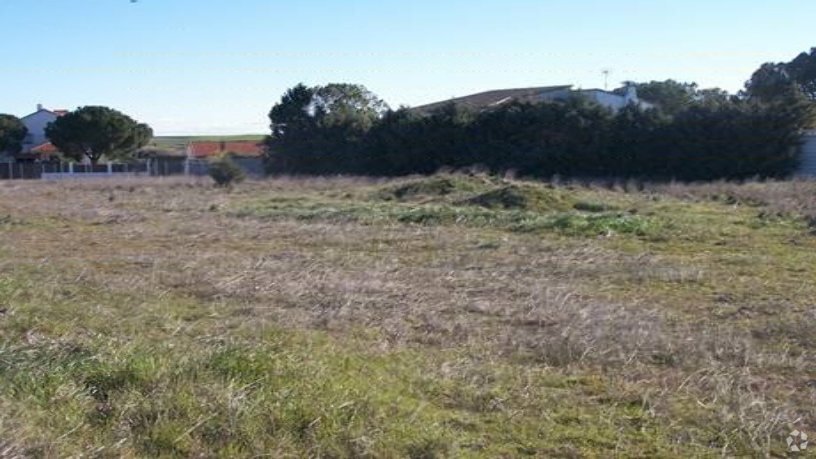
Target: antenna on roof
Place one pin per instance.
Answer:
(606, 73)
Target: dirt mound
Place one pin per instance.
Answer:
(522, 197)
(438, 186)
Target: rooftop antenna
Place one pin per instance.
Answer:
(606, 73)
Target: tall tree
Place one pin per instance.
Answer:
(670, 96)
(803, 71)
(12, 133)
(349, 105)
(779, 80)
(95, 132)
(291, 118)
(309, 122)
(769, 82)
(673, 97)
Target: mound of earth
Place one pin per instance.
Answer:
(438, 186)
(522, 197)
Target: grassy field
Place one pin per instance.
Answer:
(461, 316)
(180, 142)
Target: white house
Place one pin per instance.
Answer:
(614, 100)
(489, 99)
(36, 124)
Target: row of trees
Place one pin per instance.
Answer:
(89, 132)
(693, 134)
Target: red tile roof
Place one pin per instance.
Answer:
(59, 112)
(42, 152)
(47, 148)
(239, 148)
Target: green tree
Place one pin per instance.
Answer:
(803, 71)
(225, 172)
(673, 97)
(781, 79)
(670, 96)
(769, 82)
(310, 122)
(95, 132)
(12, 133)
(351, 106)
(291, 119)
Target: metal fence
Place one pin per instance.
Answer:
(155, 167)
(34, 171)
(19, 171)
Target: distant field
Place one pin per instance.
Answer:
(450, 316)
(180, 142)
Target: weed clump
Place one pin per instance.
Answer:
(521, 197)
(435, 187)
(592, 206)
(225, 172)
(603, 224)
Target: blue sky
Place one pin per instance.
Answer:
(217, 66)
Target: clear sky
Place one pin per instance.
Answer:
(217, 66)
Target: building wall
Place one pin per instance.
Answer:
(614, 101)
(609, 100)
(551, 96)
(808, 165)
(253, 167)
(36, 123)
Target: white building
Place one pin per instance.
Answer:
(614, 100)
(807, 167)
(36, 124)
(490, 99)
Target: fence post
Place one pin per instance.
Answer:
(110, 168)
(70, 168)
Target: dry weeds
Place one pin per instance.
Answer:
(722, 366)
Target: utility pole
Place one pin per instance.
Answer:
(606, 73)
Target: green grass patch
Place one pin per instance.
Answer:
(109, 388)
(448, 316)
(523, 197)
(514, 220)
(436, 187)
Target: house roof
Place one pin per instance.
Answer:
(57, 113)
(45, 148)
(494, 98)
(204, 149)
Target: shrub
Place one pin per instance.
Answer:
(225, 172)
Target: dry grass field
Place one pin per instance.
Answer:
(446, 316)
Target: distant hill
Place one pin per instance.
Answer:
(180, 142)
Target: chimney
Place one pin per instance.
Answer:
(39, 107)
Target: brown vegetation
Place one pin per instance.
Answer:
(663, 320)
